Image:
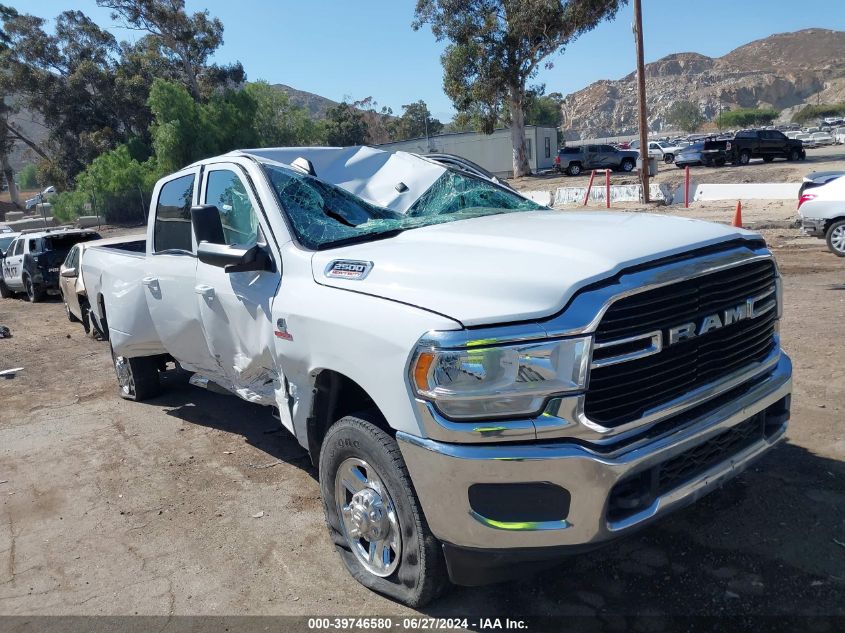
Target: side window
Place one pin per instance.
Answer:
(592, 148)
(548, 147)
(172, 229)
(226, 191)
(19, 247)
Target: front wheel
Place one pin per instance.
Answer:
(373, 514)
(627, 165)
(5, 291)
(70, 315)
(836, 238)
(794, 155)
(137, 378)
(668, 158)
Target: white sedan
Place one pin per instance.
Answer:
(822, 211)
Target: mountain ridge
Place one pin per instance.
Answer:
(784, 71)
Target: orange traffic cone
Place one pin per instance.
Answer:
(738, 215)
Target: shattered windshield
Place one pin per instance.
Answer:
(324, 215)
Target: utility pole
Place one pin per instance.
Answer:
(638, 38)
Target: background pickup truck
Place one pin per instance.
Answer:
(765, 144)
(573, 160)
(484, 384)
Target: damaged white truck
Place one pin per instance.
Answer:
(484, 384)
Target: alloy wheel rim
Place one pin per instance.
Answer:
(124, 376)
(837, 238)
(368, 517)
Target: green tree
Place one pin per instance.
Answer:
(685, 115)
(279, 123)
(497, 46)
(416, 122)
(345, 125)
(187, 41)
(28, 177)
(745, 117)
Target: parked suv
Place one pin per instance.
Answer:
(765, 144)
(574, 160)
(31, 263)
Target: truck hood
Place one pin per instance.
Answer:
(515, 266)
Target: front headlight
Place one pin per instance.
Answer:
(506, 380)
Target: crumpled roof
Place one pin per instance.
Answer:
(372, 174)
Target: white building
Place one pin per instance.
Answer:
(492, 151)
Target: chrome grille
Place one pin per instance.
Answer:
(621, 392)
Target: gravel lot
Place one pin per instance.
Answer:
(112, 507)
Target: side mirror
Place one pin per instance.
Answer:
(70, 273)
(208, 227)
(235, 260)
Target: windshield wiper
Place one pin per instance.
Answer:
(357, 239)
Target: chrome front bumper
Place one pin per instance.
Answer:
(443, 472)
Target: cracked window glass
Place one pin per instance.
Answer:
(324, 215)
(226, 191)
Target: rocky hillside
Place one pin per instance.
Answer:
(783, 71)
(314, 103)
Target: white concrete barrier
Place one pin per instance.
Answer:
(618, 193)
(12, 216)
(87, 221)
(31, 223)
(546, 198)
(747, 191)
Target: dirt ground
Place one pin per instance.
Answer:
(113, 507)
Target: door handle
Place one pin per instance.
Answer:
(205, 291)
(149, 281)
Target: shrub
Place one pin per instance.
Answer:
(815, 112)
(28, 177)
(746, 117)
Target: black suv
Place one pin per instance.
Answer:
(765, 144)
(574, 160)
(31, 263)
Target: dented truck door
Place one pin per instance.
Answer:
(235, 307)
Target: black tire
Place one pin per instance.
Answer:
(794, 155)
(627, 165)
(835, 238)
(573, 169)
(34, 292)
(744, 158)
(768, 159)
(420, 574)
(85, 309)
(137, 378)
(680, 166)
(668, 158)
(5, 291)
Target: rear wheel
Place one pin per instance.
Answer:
(34, 291)
(5, 291)
(137, 378)
(70, 315)
(574, 169)
(373, 514)
(627, 165)
(836, 238)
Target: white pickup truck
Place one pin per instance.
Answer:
(485, 385)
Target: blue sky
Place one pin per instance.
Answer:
(343, 49)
